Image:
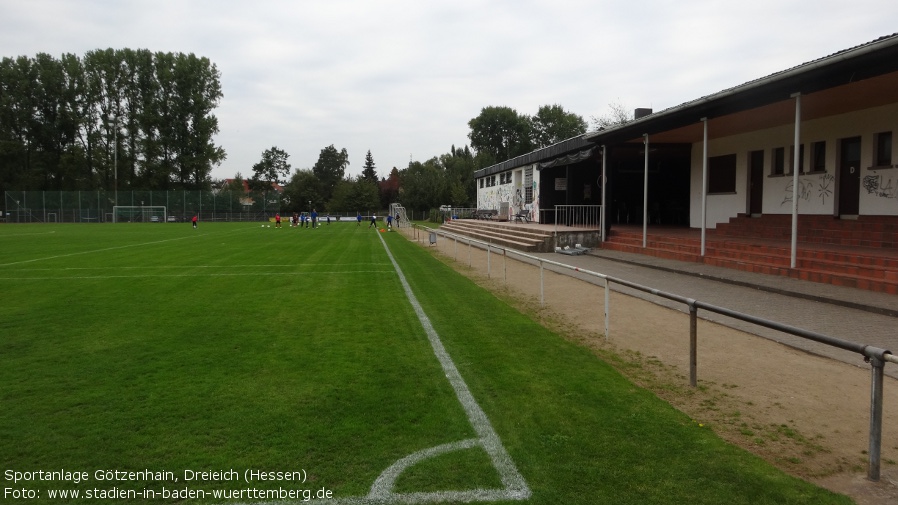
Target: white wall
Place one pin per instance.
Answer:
(492, 197)
(817, 191)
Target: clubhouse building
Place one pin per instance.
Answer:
(803, 153)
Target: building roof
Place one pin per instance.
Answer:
(565, 147)
(850, 79)
(859, 77)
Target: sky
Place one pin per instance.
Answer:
(402, 78)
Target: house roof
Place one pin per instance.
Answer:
(275, 186)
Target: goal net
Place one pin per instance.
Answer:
(138, 214)
(398, 213)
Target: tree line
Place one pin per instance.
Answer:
(134, 119)
(131, 119)
(497, 134)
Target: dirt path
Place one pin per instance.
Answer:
(805, 414)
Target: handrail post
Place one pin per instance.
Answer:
(607, 306)
(505, 265)
(488, 271)
(542, 297)
(693, 343)
(876, 393)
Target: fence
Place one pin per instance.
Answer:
(97, 206)
(877, 357)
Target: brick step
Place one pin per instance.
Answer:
(866, 231)
(860, 266)
(664, 243)
(845, 268)
(656, 252)
(835, 237)
(889, 285)
(872, 258)
(808, 262)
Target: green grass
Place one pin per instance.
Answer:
(132, 347)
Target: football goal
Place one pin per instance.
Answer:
(138, 214)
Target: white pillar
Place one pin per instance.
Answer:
(795, 169)
(604, 191)
(704, 183)
(645, 194)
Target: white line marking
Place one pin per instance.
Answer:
(91, 251)
(382, 493)
(205, 274)
(113, 248)
(515, 486)
(28, 234)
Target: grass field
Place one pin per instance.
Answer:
(134, 357)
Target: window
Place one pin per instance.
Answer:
(883, 146)
(818, 156)
(778, 166)
(481, 183)
(528, 185)
(800, 159)
(722, 174)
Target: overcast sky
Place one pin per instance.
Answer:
(402, 78)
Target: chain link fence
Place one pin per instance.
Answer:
(97, 206)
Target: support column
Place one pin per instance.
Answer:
(704, 183)
(795, 169)
(645, 194)
(604, 192)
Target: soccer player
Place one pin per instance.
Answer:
(194, 220)
(373, 222)
(390, 221)
(314, 218)
(277, 220)
(358, 217)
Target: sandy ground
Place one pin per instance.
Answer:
(806, 414)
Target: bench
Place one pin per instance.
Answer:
(523, 217)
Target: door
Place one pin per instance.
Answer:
(849, 176)
(755, 183)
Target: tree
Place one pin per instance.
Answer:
(369, 173)
(389, 189)
(64, 122)
(617, 115)
(272, 169)
(303, 188)
(357, 195)
(423, 185)
(329, 169)
(501, 132)
(552, 124)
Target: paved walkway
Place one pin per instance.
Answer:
(846, 313)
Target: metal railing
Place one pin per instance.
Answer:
(579, 216)
(877, 357)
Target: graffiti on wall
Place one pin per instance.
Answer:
(881, 186)
(808, 188)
